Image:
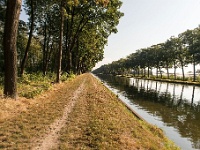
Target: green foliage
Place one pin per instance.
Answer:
(66, 76)
(71, 75)
(31, 85)
(31, 94)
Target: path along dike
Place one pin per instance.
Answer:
(78, 114)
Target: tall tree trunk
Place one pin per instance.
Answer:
(44, 49)
(69, 41)
(134, 72)
(60, 42)
(29, 40)
(194, 69)
(48, 54)
(9, 44)
(181, 96)
(192, 101)
(69, 68)
(160, 72)
(143, 72)
(157, 69)
(174, 70)
(183, 73)
(167, 70)
(148, 71)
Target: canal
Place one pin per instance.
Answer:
(175, 108)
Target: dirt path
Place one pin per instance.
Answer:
(50, 139)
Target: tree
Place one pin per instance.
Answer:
(189, 39)
(181, 53)
(103, 16)
(32, 19)
(175, 42)
(158, 57)
(9, 45)
(88, 50)
(21, 40)
(168, 57)
(143, 60)
(150, 60)
(47, 16)
(60, 41)
(2, 21)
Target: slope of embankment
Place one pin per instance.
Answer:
(78, 114)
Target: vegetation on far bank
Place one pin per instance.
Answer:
(175, 53)
(188, 80)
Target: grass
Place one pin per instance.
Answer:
(98, 120)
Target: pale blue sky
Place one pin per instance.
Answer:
(149, 22)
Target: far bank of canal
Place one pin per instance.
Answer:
(175, 108)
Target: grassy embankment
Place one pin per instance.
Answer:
(179, 80)
(98, 120)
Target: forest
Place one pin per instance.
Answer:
(175, 52)
(61, 37)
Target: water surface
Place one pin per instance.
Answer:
(173, 107)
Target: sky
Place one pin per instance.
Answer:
(149, 22)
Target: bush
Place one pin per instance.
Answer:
(31, 85)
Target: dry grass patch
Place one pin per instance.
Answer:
(26, 120)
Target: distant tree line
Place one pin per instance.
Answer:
(176, 52)
(60, 36)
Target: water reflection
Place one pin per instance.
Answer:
(175, 105)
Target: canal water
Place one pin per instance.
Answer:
(175, 108)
